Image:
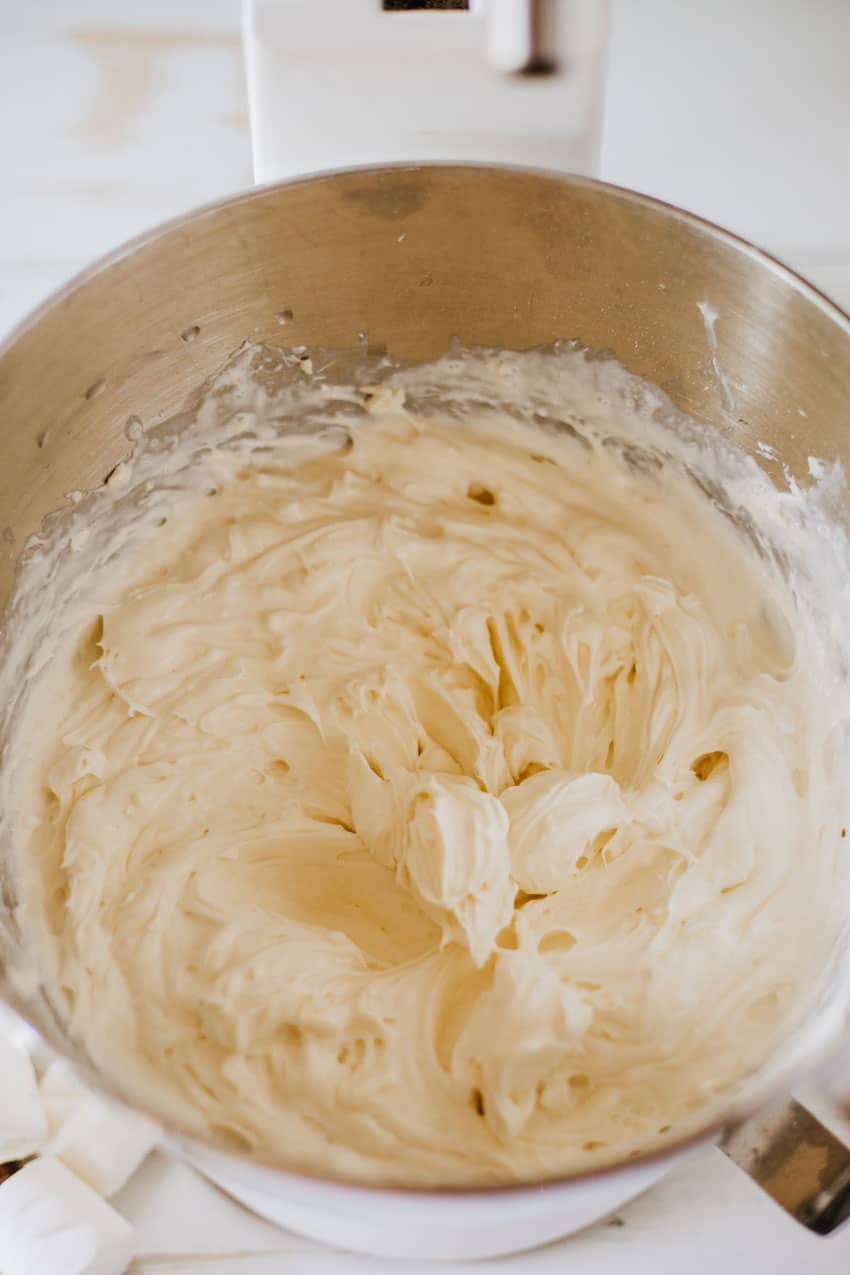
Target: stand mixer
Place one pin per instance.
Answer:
(341, 82)
(512, 259)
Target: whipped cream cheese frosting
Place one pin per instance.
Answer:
(457, 805)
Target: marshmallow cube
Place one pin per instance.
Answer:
(51, 1223)
(98, 1140)
(23, 1125)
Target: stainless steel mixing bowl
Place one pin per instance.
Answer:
(413, 256)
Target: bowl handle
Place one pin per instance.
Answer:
(797, 1161)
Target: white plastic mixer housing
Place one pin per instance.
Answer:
(334, 83)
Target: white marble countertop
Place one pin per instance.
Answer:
(115, 117)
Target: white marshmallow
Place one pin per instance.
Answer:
(23, 1126)
(18, 1030)
(14, 1028)
(51, 1223)
(98, 1140)
(62, 1092)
